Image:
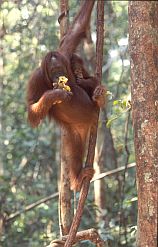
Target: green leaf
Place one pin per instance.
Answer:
(109, 122)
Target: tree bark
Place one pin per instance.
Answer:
(2, 200)
(64, 23)
(90, 234)
(65, 193)
(65, 210)
(143, 31)
(2, 34)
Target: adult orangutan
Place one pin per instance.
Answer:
(75, 110)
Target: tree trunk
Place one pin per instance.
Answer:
(105, 159)
(2, 34)
(65, 212)
(65, 193)
(143, 30)
(2, 200)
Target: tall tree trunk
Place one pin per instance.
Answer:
(143, 30)
(2, 34)
(2, 200)
(65, 212)
(105, 159)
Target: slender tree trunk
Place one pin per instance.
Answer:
(2, 200)
(65, 193)
(105, 159)
(107, 150)
(64, 8)
(2, 34)
(143, 30)
(65, 212)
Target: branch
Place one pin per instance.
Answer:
(93, 132)
(90, 234)
(119, 169)
(31, 206)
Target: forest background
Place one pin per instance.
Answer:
(30, 158)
